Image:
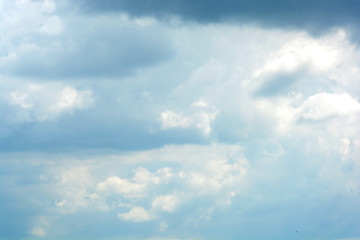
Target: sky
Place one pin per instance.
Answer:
(179, 120)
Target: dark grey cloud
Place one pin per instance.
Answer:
(311, 14)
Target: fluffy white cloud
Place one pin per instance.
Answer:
(304, 51)
(170, 119)
(165, 202)
(324, 105)
(201, 116)
(135, 187)
(121, 186)
(136, 214)
(38, 102)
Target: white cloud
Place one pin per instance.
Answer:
(218, 176)
(76, 187)
(19, 18)
(60, 203)
(305, 51)
(121, 186)
(344, 149)
(280, 112)
(215, 171)
(324, 105)
(165, 202)
(38, 232)
(137, 214)
(170, 119)
(47, 102)
(200, 119)
(200, 103)
(134, 187)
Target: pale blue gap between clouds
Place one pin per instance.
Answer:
(277, 121)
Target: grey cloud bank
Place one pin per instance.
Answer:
(312, 15)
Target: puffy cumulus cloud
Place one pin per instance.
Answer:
(165, 202)
(324, 105)
(210, 173)
(217, 175)
(75, 189)
(318, 54)
(41, 102)
(136, 214)
(303, 58)
(40, 44)
(135, 187)
(328, 120)
(120, 186)
(201, 117)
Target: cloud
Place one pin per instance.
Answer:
(200, 189)
(56, 45)
(302, 58)
(163, 226)
(137, 214)
(215, 65)
(60, 203)
(38, 232)
(52, 26)
(324, 105)
(117, 121)
(137, 186)
(37, 102)
(201, 118)
(313, 15)
(317, 54)
(165, 203)
(120, 186)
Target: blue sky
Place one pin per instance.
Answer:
(179, 120)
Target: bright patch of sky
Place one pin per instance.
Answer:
(171, 120)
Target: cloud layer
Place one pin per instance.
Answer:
(312, 15)
(177, 120)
